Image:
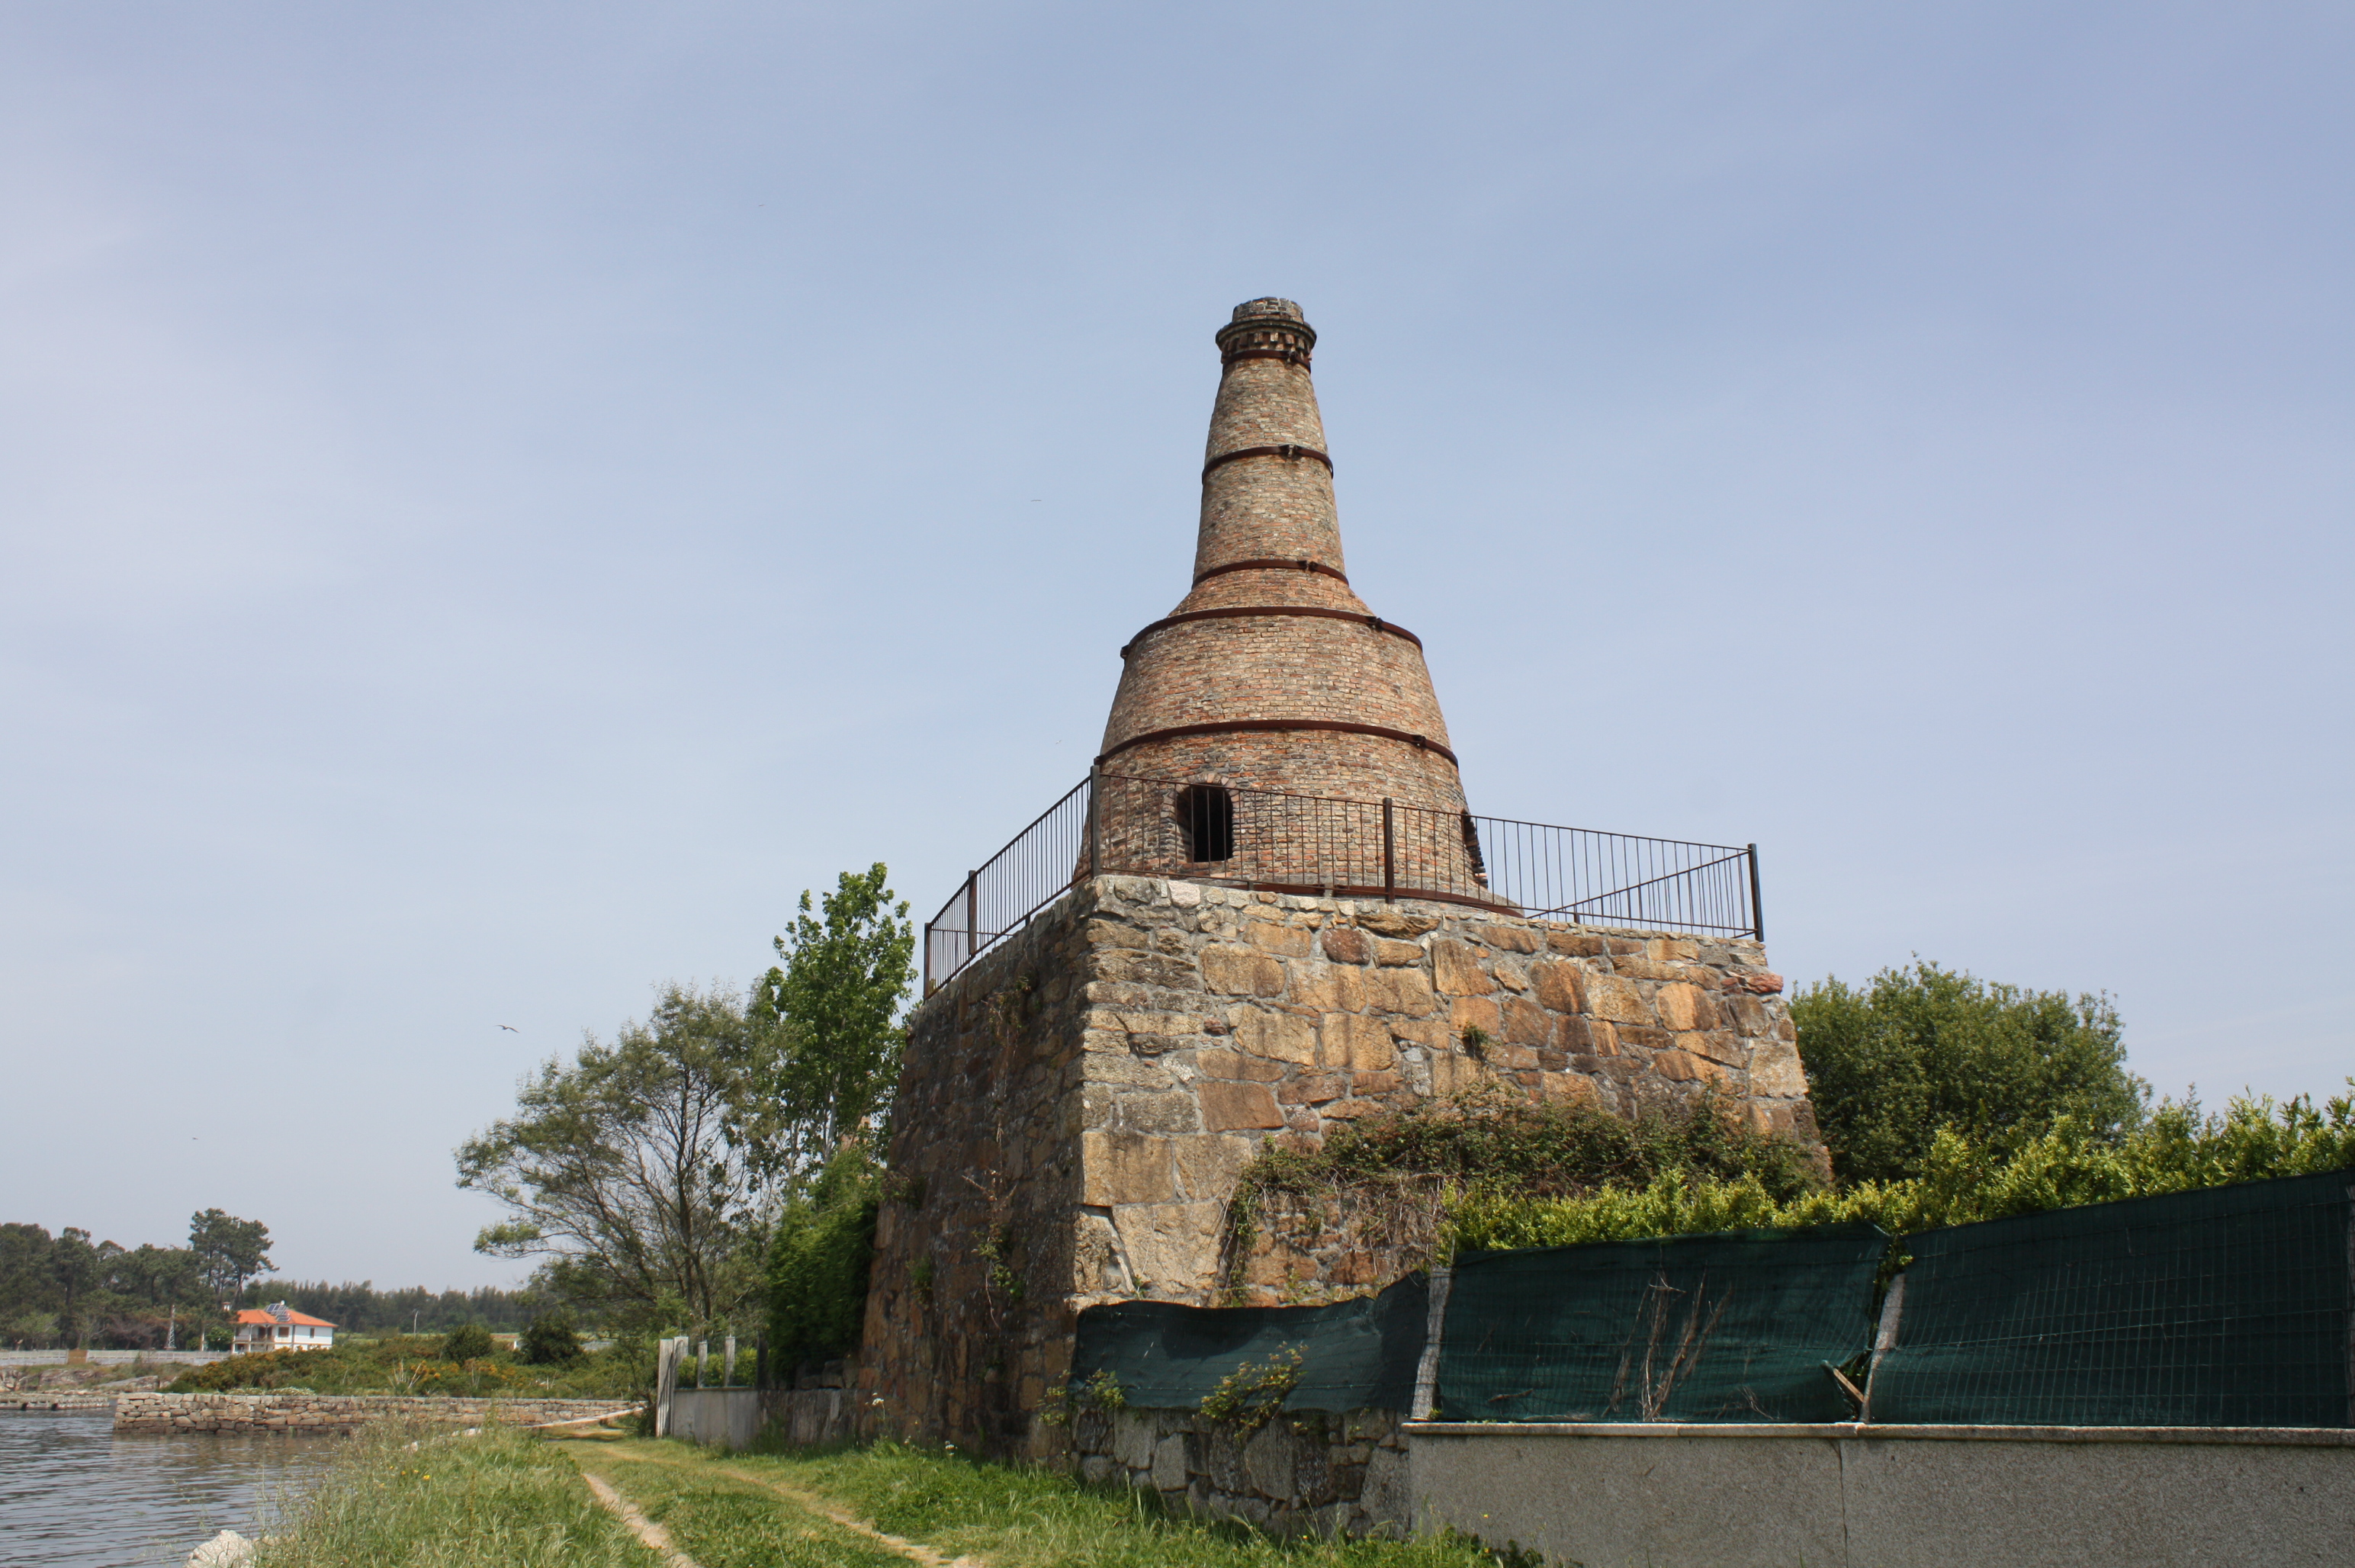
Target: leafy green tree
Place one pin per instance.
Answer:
(818, 1261)
(619, 1169)
(80, 1270)
(1924, 1050)
(228, 1251)
(834, 1001)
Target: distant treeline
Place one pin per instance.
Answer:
(362, 1309)
(70, 1289)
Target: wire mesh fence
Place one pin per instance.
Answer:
(2227, 1306)
(1209, 832)
(2231, 1307)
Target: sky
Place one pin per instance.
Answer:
(498, 499)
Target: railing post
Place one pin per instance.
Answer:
(1095, 820)
(972, 915)
(1390, 855)
(928, 957)
(1757, 910)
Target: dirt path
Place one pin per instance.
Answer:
(915, 1551)
(645, 1529)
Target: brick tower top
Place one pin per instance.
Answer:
(1271, 674)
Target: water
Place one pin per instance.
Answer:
(74, 1494)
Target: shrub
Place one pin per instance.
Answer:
(818, 1263)
(549, 1339)
(467, 1342)
(2178, 1150)
(1921, 1048)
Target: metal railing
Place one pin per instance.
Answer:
(1116, 823)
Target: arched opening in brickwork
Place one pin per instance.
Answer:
(1205, 822)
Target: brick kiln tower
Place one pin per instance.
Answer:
(1080, 1098)
(1272, 675)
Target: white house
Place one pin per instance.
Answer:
(280, 1327)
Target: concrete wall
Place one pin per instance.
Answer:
(1893, 1496)
(733, 1417)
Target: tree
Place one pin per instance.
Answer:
(818, 1261)
(229, 1251)
(1921, 1050)
(619, 1167)
(79, 1269)
(836, 1000)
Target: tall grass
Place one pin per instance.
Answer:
(402, 1498)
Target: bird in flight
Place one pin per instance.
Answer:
(511, 1029)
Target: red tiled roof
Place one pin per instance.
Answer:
(252, 1315)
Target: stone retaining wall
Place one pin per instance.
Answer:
(57, 1401)
(1303, 1474)
(1077, 1106)
(322, 1413)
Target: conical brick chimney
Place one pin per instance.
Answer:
(1272, 675)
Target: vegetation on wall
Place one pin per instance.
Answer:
(1392, 1180)
(1944, 1099)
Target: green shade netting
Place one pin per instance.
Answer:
(1355, 1355)
(1736, 1326)
(2221, 1307)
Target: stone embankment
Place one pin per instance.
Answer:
(320, 1413)
(53, 1399)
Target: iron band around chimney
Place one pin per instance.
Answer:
(1245, 611)
(1261, 726)
(1263, 564)
(1286, 451)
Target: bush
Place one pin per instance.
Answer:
(549, 1339)
(819, 1264)
(2179, 1149)
(467, 1342)
(1920, 1049)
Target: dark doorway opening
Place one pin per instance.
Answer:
(1205, 822)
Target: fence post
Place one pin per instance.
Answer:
(928, 957)
(972, 916)
(1757, 910)
(1390, 855)
(1095, 820)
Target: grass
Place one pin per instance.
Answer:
(1008, 1516)
(505, 1499)
(402, 1499)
